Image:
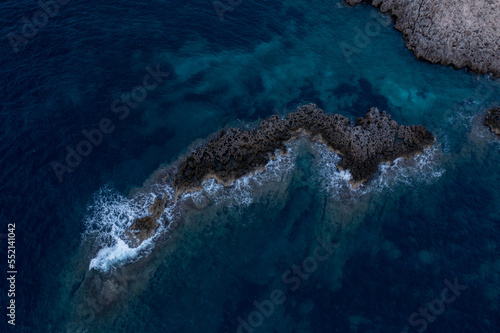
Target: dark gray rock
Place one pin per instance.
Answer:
(362, 145)
(373, 139)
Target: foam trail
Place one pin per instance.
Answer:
(240, 191)
(109, 216)
(423, 168)
(118, 254)
(111, 213)
(332, 179)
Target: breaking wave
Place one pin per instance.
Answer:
(423, 168)
(111, 214)
(241, 191)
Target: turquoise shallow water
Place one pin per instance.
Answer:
(417, 224)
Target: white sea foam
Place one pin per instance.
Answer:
(421, 168)
(424, 168)
(241, 191)
(110, 214)
(332, 179)
(118, 254)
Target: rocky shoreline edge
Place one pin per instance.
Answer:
(362, 145)
(461, 33)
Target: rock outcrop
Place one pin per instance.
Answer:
(372, 140)
(145, 227)
(236, 152)
(462, 33)
(140, 230)
(493, 120)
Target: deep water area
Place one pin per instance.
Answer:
(289, 249)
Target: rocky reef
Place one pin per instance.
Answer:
(493, 120)
(462, 33)
(363, 145)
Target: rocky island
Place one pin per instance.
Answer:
(493, 120)
(462, 33)
(362, 145)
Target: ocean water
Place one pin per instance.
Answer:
(388, 250)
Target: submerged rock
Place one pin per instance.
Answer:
(232, 154)
(462, 33)
(493, 120)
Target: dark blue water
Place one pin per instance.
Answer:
(412, 228)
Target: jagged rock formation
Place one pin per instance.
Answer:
(373, 139)
(493, 120)
(462, 33)
(362, 145)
